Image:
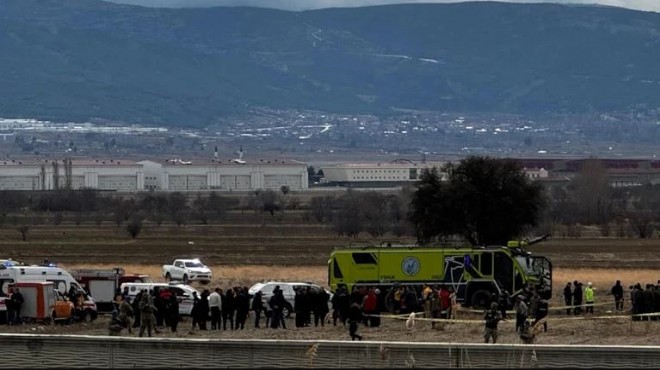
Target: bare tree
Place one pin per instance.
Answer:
(321, 208)
(347, 221)
(23, 229)
(285, 190)
(134, 227)
(592, 193)
(178, 208)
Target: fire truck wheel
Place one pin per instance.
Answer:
(480, 299)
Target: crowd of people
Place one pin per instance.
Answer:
(364, 305)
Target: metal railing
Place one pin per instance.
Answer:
(79, 351)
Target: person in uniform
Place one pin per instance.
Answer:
(147, 316)
(492, 317)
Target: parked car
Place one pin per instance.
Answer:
(288, 290)
(63, 309)
(183, 292)
(187, 270)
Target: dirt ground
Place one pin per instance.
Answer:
(603, 328)
(288, 249)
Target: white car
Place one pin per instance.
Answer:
(288, 290)
(187, 270)
(183, 292)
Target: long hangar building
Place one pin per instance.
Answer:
(166, 175)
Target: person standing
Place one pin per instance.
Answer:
(10, 307)
(521, 313)
(215, 302)
(276, 303)
(195, 308)
(568, 298)
(453, 304)
(125, 314)
(17, 303)
(577, 297)
(203, 310)
(504, 302)
(589, 298)
(321, 308)
(445, 302)
(257, 307)
(369, 306)
(147, 317)
(435, 307)
(228, 307)
(242, 307)
(354, 318)
(541, 313)
(136, 309)
(617, 292)
(173, 311)
(492, 317)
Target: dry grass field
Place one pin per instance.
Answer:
(289, 247)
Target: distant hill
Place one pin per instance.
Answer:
(82, 59)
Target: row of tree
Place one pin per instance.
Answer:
(480, 200)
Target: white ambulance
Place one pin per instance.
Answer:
(61, 279)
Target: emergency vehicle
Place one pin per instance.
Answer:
(61, 279)
(103, 284)
(475, 273)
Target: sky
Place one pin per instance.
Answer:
(645, 5)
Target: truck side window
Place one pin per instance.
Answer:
(487, 263)
(364, 258)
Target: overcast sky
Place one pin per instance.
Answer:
(648, 5)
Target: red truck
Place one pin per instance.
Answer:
(102, 284)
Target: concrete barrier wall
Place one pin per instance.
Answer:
(76, 351)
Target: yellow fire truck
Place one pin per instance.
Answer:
(475, 273)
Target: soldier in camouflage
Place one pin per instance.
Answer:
(125, 313)
(147, 313)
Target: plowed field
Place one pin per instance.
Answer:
(290, 249)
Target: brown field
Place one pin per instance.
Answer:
(288, 247)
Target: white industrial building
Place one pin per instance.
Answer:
(175, 175)
(120, 175)
(377, 173)
(169, 175)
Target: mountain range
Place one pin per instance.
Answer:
(76, 60)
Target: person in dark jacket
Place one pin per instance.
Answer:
(228, 308)
(320, 307)
(617, 292)
(277, 303)
(195, 308)
(541, 313)
(492, 317)
(257, 307)
(577, 297)
(203, 309)
(173, 311)
(354, 318)
(136, 308)
(568, 298)
(17, 304)
(242, 308)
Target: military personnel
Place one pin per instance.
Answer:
(125, 314)
(148, 318)
(492, 318)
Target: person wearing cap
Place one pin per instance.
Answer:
(492, 317)
(589, 298)
(521, 313)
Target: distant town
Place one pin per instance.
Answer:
(322, 137)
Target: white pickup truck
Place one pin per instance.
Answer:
(187, 270)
